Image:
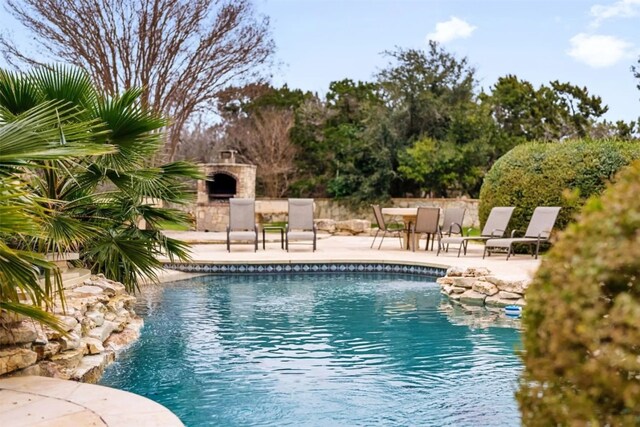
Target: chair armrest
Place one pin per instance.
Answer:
(513, 233)
(496, 232)
(459, 226)
(546, 234)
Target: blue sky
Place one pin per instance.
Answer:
(587, 43)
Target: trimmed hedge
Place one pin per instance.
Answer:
(582, 319)
(544, 174)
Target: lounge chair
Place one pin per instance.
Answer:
(452, 221)
(391, 227)
(538, 231)
(242, 226)
(495, 226)
(300, 225)
(427, 222)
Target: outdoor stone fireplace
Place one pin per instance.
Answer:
(225, 179)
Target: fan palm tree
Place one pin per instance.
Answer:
(32, 138)
(89, 193)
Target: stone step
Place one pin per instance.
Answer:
(75, 277)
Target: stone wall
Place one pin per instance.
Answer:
(100, 321)
(477, 286)
(215, 216)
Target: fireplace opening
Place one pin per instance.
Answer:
(221, 186)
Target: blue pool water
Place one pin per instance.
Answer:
(320, 350)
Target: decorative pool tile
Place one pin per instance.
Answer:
(360, 267)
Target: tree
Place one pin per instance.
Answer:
(423, 87)
(263, 139)
(182, 53)
(554, 112)
(94, 204)
(635, 69)
(36, 136)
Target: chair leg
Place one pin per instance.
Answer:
(460, 248)
(374, 238)
(537, 248)
(439, 247)
(484, 253)
(314, 242)
(509, 252)
(382, 240)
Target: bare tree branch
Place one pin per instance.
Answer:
(181, 52)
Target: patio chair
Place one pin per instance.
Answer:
(538, 231)
(495, 226)
(452, 221)
(242, 226)
(393, 227)
(300, 225)
(427, 222)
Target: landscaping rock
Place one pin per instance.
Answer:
(455, 272)
(93, 345)
(485, 288)
(69, 359)
(102, 332)
(14, 358)
(517, 286)
(444, 280)
(20, 333)
(496, 301)
(509, 295)
(472, 297)
(475, 272)
(328, 225)
(354, 226)
(464, 282)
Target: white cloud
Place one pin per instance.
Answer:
(619, 9)
(454, 28)
(599, 51)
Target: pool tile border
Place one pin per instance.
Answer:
(307, 267)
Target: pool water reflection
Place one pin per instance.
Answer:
(335, 349)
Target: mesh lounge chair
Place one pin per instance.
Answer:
(495, 226)
(392, 227)
(242, 226)
(300, 225)
(427, 222)
(538, 231)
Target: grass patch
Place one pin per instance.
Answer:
(167, 225)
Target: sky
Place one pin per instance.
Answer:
(590, 43)
(586, 43)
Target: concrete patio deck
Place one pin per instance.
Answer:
(40, 401)
(210, 247)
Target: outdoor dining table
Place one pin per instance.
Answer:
(408, 217)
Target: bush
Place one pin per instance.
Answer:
(582, 320)
(544, 174)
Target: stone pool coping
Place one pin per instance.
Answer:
(41, 401)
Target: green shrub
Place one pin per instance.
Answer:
(582, 320)
(552, 174)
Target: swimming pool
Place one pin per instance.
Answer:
(319, 349)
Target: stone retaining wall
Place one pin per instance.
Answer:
(100, 321)
(477, 286)
(215, 216)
